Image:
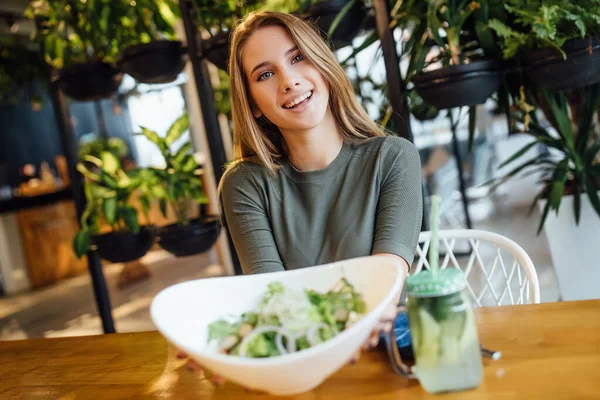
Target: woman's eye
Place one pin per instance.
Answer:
(297, 57)
(265, 75)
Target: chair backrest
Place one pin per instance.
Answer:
(498, 270)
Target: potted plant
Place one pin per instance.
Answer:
(108, 190)
(465, 78)
(82, 39)
(557, 41)
(159, 58)
(79, 42)
(181, 185)
(558, 106)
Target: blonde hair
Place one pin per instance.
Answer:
(262, 140)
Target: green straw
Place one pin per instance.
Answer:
(434, 222)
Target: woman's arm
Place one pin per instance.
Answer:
(400, 203)
(248, 223)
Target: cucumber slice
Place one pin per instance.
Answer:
(427, 352)
(450, 351)
(469, 333)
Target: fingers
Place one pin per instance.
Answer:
(193, 365)
(181, 354)
(217, 380)
(372, 341)
(355, 357)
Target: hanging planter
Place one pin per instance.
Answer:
(159, 61)
(324, 13)
(121, 247)
(459, 85)
(89, 81)
(548, 68)
(195, 238)
(216, 49)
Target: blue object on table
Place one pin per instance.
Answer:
(402, 334)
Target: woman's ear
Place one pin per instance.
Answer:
(256, 112)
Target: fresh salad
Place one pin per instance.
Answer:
(287, 321)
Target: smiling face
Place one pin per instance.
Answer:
(286, 88)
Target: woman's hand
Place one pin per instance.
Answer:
(195, 367)
(385, 325)
(386, 322)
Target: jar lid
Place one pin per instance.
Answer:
(425, 284)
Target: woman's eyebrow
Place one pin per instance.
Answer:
(262, 64)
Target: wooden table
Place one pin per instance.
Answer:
(551, 351)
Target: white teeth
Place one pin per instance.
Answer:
(298, 100)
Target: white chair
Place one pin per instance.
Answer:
(508, 276)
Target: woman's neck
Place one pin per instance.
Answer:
(316, 148)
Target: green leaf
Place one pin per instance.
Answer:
(585, 121)
(129, 215)
(81, 243)
(109, 180)
(177, 129)
(592, 192)
(472, 121)
(100, 192)
(124, 180)
(558, 105)
(544, 216)
(557, 182)
(171, 190)
(109, 208)
(577, 205)
(220, 329)
(518, 154)
(189, 164)
(556, 193)
(339, 16)
(145, 203)
(85, 172)
(182, 152)
(110, 163)
(158, 191)
(162, 204)
(372, 38)
(152, 136)
(434, 23)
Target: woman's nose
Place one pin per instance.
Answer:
(289, 82)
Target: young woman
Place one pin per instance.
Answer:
(314, 179)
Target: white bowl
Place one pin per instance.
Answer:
(183, 312)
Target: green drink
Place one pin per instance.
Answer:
(443, 330)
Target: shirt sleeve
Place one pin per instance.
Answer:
(248, 222)
(400, 203)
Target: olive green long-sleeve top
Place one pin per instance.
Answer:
(367, 200)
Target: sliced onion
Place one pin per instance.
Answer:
(278, 339)
(279, 344)
(312, 334)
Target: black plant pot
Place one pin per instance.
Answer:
(548, 68)
(89, 81)
(323, 13)
(197, 237)
(459, 85)
(216, 49)
(120, 247)
(160, 61)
